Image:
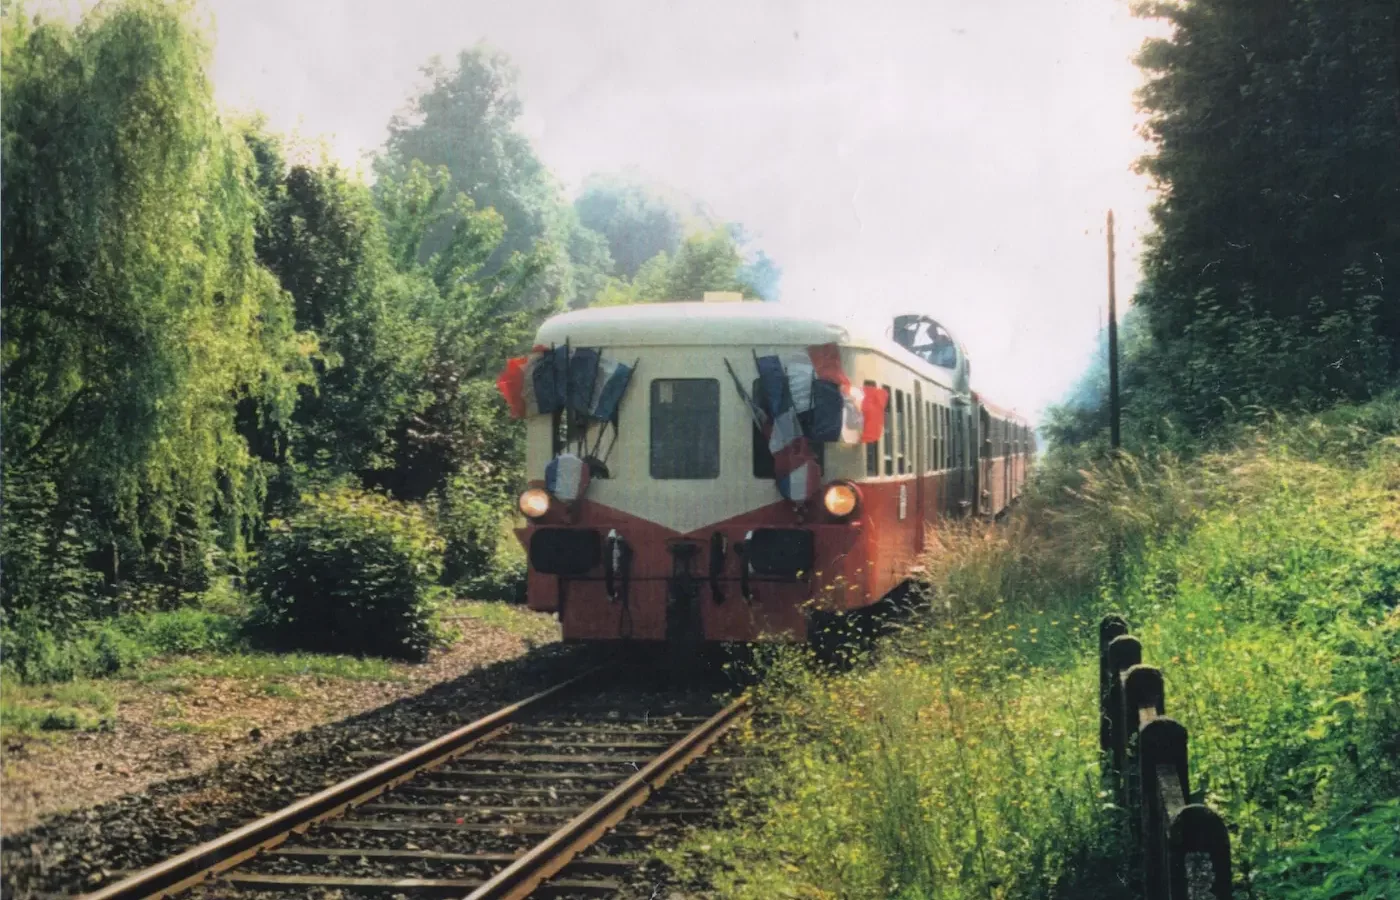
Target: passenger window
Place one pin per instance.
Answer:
(872, 450)
(685, 428)
(889, 434)
(928, 436)
(901, 444)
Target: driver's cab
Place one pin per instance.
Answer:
(933, 343)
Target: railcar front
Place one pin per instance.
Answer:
(704, 472)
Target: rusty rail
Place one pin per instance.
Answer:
(553, 853)
(213, 857)
(1185, 846)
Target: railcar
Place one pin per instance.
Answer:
(725, 471)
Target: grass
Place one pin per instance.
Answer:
(963, 761)
(73, 706)
(533, 626)
(269, 667)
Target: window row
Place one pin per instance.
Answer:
(908, 425)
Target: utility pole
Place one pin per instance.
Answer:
(1114, 408)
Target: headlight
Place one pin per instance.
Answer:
(534, 503)
(840, 499)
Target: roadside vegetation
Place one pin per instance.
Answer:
(1249, 530)
(963, 760)
(249, 404)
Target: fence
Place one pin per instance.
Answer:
(1185, 846)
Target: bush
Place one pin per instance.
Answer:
(35, 653)
(351, 572)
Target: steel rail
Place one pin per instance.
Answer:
(222, 853)
(521, 877)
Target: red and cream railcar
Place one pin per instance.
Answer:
(677, 528)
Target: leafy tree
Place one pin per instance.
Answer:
(706, 261)
(637, 223)
(465, 121)
(1270, 278)
(324, 239)
(136, 317)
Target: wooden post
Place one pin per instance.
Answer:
(1163, 778)
(1199, 868)
(1110, 628)
(1124, 652)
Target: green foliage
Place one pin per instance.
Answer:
(465, 122)
(35, 654)
(636, 222)
(128, 240)
(352, 572)
(1358, 855)
(1264, 580)
(1268, 281)
(706, 261)
(62, 707)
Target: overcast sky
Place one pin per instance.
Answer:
(954, 157)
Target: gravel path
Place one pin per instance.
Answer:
(80, 849)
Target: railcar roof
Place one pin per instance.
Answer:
(692, 324)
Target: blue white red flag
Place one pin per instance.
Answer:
(795, 467)
(608, 387)
(566, 477)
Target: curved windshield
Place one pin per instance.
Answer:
(927, 339)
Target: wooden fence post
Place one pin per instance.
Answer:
(1185, 847)
(1164, 780)
(1200, 855)
(1110, 628)
(1124, 652)
(1142, 703)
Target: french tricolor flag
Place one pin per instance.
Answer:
(795, 467)
(566, 477)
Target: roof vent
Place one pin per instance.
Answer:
(723, 297)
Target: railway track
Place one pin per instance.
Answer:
(514, 804)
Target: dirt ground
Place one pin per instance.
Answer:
(163, 730)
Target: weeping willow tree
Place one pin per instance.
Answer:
(137, 323)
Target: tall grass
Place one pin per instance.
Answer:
(963, 762)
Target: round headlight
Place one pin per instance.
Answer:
(534, 503)
(840, 499)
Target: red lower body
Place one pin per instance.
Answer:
(853, 564)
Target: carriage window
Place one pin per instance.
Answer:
(872, 450)
(900, 431)
(763, 458)
(685, 428)
(932, 435)
(928, 438)
(889, 434)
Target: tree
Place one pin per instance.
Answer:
(465, 122)
(706, 261)
(1277, 132)
(636, 222)
(136, 318)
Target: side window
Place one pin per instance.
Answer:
(872, 450)
(901, 431)
(888, 439)
(928, 436)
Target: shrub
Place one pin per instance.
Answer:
(352, 572)
(35, 653)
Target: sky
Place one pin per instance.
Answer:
(949, 157)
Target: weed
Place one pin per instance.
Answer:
(963, 761)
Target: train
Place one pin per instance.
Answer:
(734, 471)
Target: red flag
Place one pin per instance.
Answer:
(826, 359)
(872, 409)
(511, 384)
